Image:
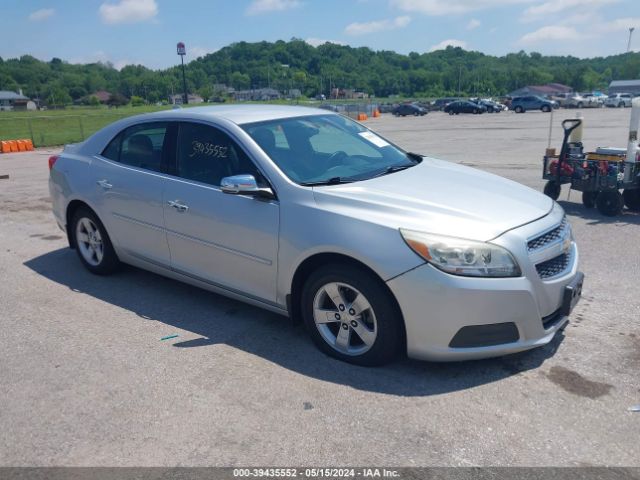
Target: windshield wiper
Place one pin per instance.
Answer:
(331, 181)
(392, 169)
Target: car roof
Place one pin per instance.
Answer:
(235, 114)
(239, 114)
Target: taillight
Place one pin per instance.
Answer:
(52, 160)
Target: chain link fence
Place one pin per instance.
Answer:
(49, 130)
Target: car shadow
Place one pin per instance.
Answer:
(594, 217)
(216, 319)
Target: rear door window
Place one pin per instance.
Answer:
(139, 146)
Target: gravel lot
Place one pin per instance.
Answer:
(85, 379)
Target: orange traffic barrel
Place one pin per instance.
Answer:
(28, 143)
(362, 116)
(13, 145)
(376, 113)
(21, 146)
(4, 145)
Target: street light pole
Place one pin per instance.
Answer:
(182, 51)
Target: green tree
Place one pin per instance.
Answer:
(117, 100)
(56, 96)
(240, 81)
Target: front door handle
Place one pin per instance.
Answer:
(104, 184)
(181, 207)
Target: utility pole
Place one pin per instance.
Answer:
(459, 80)
(631, 29)
(182, 51)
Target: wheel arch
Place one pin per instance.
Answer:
(313, 262)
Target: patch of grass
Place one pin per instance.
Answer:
(59, 127)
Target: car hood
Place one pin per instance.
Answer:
(438, 197)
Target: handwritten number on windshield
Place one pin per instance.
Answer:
(208, 149)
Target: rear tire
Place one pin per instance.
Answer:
(519, 109)
(589, 199)
(546, 108)
(610, 203)
(632, 199)
(363, 325)
(92, 243)
(552, 190)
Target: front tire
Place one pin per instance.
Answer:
(589, 199)
(92, 243)
(610, 203)
(351, 316)
(546, 108)
(519, 109)
(632, 199)
(552, 190)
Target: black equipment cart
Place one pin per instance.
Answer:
(598, 175)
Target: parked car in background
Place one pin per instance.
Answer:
(532, 102)
(619, 100)
(409, 109)
(464, 106)
(440, 103)
(597, 98)
(387, 107)
(309, 214)
(560, 98)
(582, 101)
(491, 106)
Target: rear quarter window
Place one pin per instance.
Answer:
(112, 151)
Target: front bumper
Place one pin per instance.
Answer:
(516, 313)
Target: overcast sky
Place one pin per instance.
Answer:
(146, 31)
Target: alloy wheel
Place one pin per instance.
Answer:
(344, 318)
(89, 241)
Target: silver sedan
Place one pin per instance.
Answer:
(309, 214)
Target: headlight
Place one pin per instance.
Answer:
(462, 257)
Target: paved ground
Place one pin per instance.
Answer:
(86, 380)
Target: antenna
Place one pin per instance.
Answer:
(631, 29)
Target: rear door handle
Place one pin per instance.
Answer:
(104, 184)
(181, 207)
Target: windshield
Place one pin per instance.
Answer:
(327, 149)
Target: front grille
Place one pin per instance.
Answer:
(554, 266)
(551, 236)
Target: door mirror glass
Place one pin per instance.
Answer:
(244, 185)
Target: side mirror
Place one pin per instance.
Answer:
(244, 185)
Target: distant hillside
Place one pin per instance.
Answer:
(296, 64)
